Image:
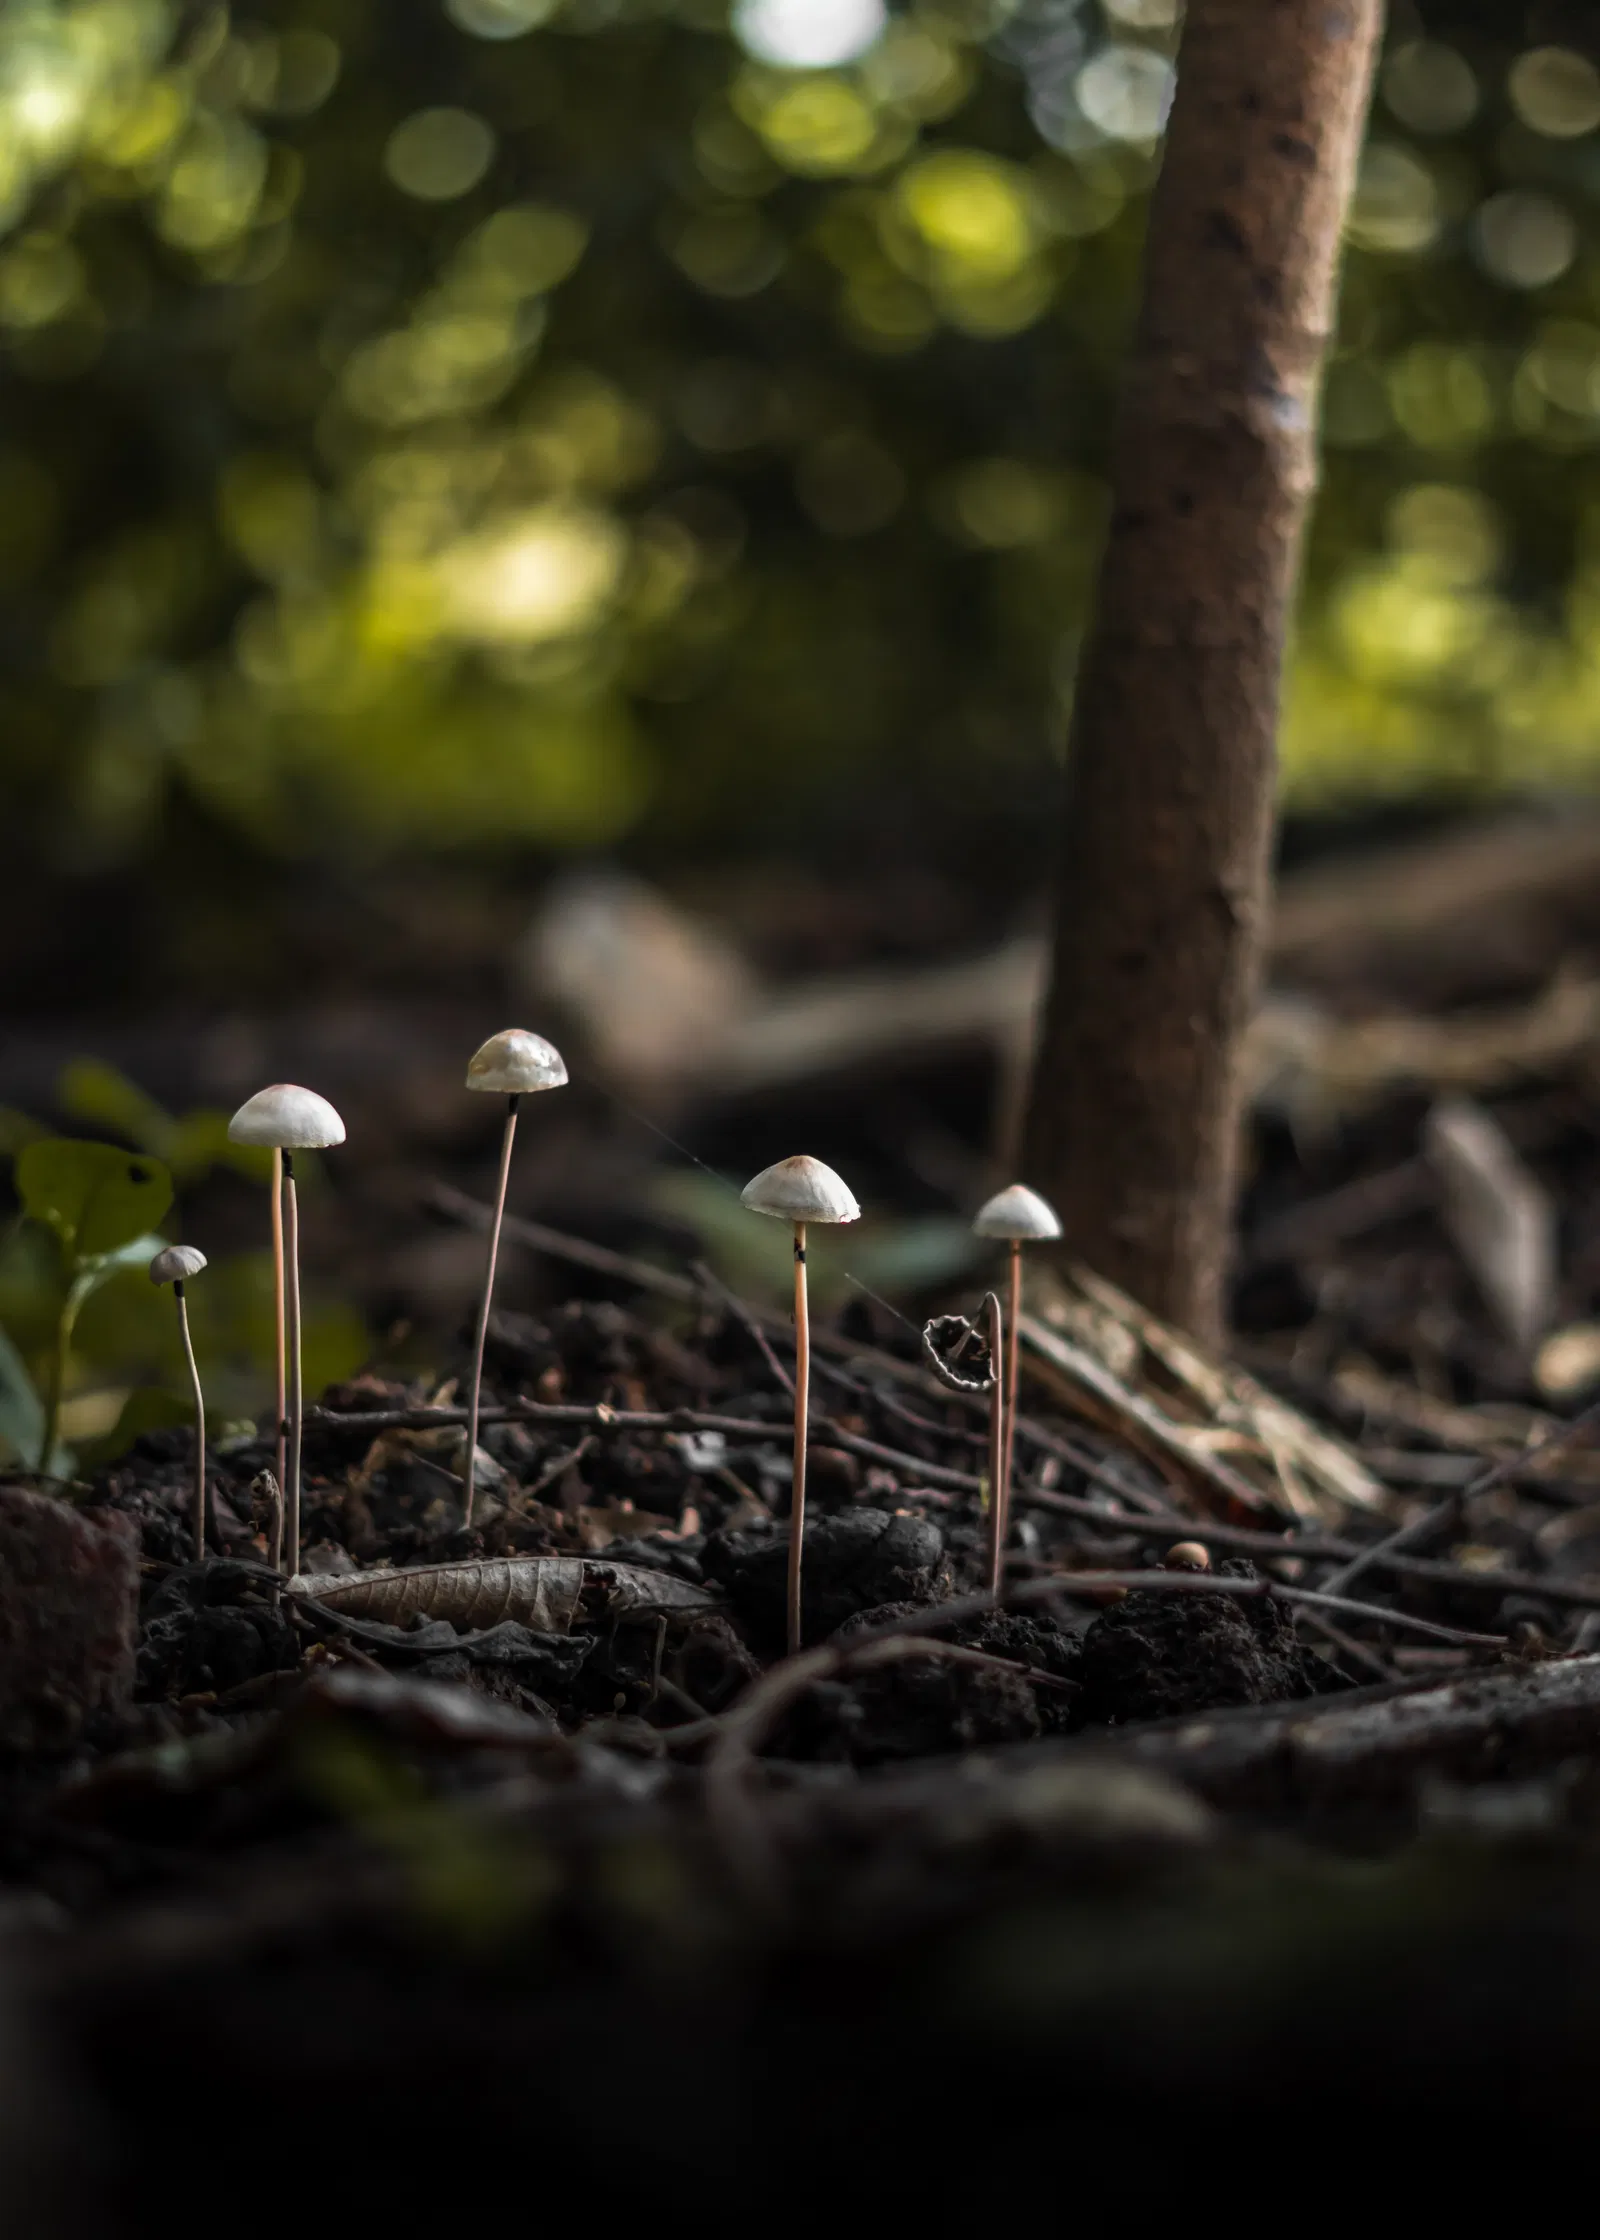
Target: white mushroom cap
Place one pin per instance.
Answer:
(800, 1189)
(285, 1118)
(176, 1262)
(1017, 1213)
(515, 1063)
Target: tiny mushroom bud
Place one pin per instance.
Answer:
(174, 1264)
(514, 1063)
(1187, 1555)
(511, 1064)
(1020, 1216)
(287, 1119)
(799, 1191)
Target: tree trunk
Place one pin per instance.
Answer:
(1135, 1114)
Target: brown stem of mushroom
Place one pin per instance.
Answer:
(999, 1432)
(469, 1470)
(802, 1407)
(291, 1239)
(278, 1313)
(199, 1424)
(1013, 1374)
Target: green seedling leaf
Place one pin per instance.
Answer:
(16, 1129)
(95, 1198)
(199, 1142)
(190, 1144)
(92, 1091)
(138, 1252)
(21, 1410)
(22, 1415)
(147, 1408)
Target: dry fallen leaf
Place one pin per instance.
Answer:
(545, 1593)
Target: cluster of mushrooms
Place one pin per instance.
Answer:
(514, 1064)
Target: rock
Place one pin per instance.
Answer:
(853, 1561)
(69, 1595)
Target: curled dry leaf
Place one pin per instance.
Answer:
(549, 1594)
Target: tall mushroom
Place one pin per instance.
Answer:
(512, 1064)
(1020, 1216)
(800, 1191)
(286, 1120)
(175, 1265)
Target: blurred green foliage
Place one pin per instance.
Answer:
(86, 1346)
(452, 427)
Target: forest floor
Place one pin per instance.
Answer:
(526, 1834)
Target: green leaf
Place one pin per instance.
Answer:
(96, 1198)
(147, 1408)
(91, 1090)
(21, 1410)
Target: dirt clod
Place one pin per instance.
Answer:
(69, 1586)
(853, 1561)
(1157, 1656)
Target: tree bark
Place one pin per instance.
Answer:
(1136, 1104)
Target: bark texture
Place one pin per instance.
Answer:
(1136, 1104)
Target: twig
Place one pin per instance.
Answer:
(1443, 1513)
(747, 1320)
(557, 1469)
(1317, 1548)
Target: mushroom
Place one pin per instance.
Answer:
(175, 1265)
(1020, 1216)
(512, 1064)
(800, 1191)
(287, 1120)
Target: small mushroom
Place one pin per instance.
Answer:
(1020, 1216)
(800, 1191)
(175, 1265)
(512, 1064)
(287, 1120)
(1186, 1555)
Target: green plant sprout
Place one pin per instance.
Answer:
(512, 1064)
(175, 1265)
(800, 1191)
(102, 1206)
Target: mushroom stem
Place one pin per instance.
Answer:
(291, 1240)
(469, 1469)
(802, 1409)
(1013, 1376)
(279, 1328)
(199, 1424)
(999, 1433)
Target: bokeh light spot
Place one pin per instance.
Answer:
(1430, 87)
(499, 19)
(1451, 534)
(542, 575)
(307, 70)
(999, 504)
(1125, 92)
(1556, 92)
(438, 154)
(1395, 208)
(1440, 395)
(808, 34)
(1523, 239)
